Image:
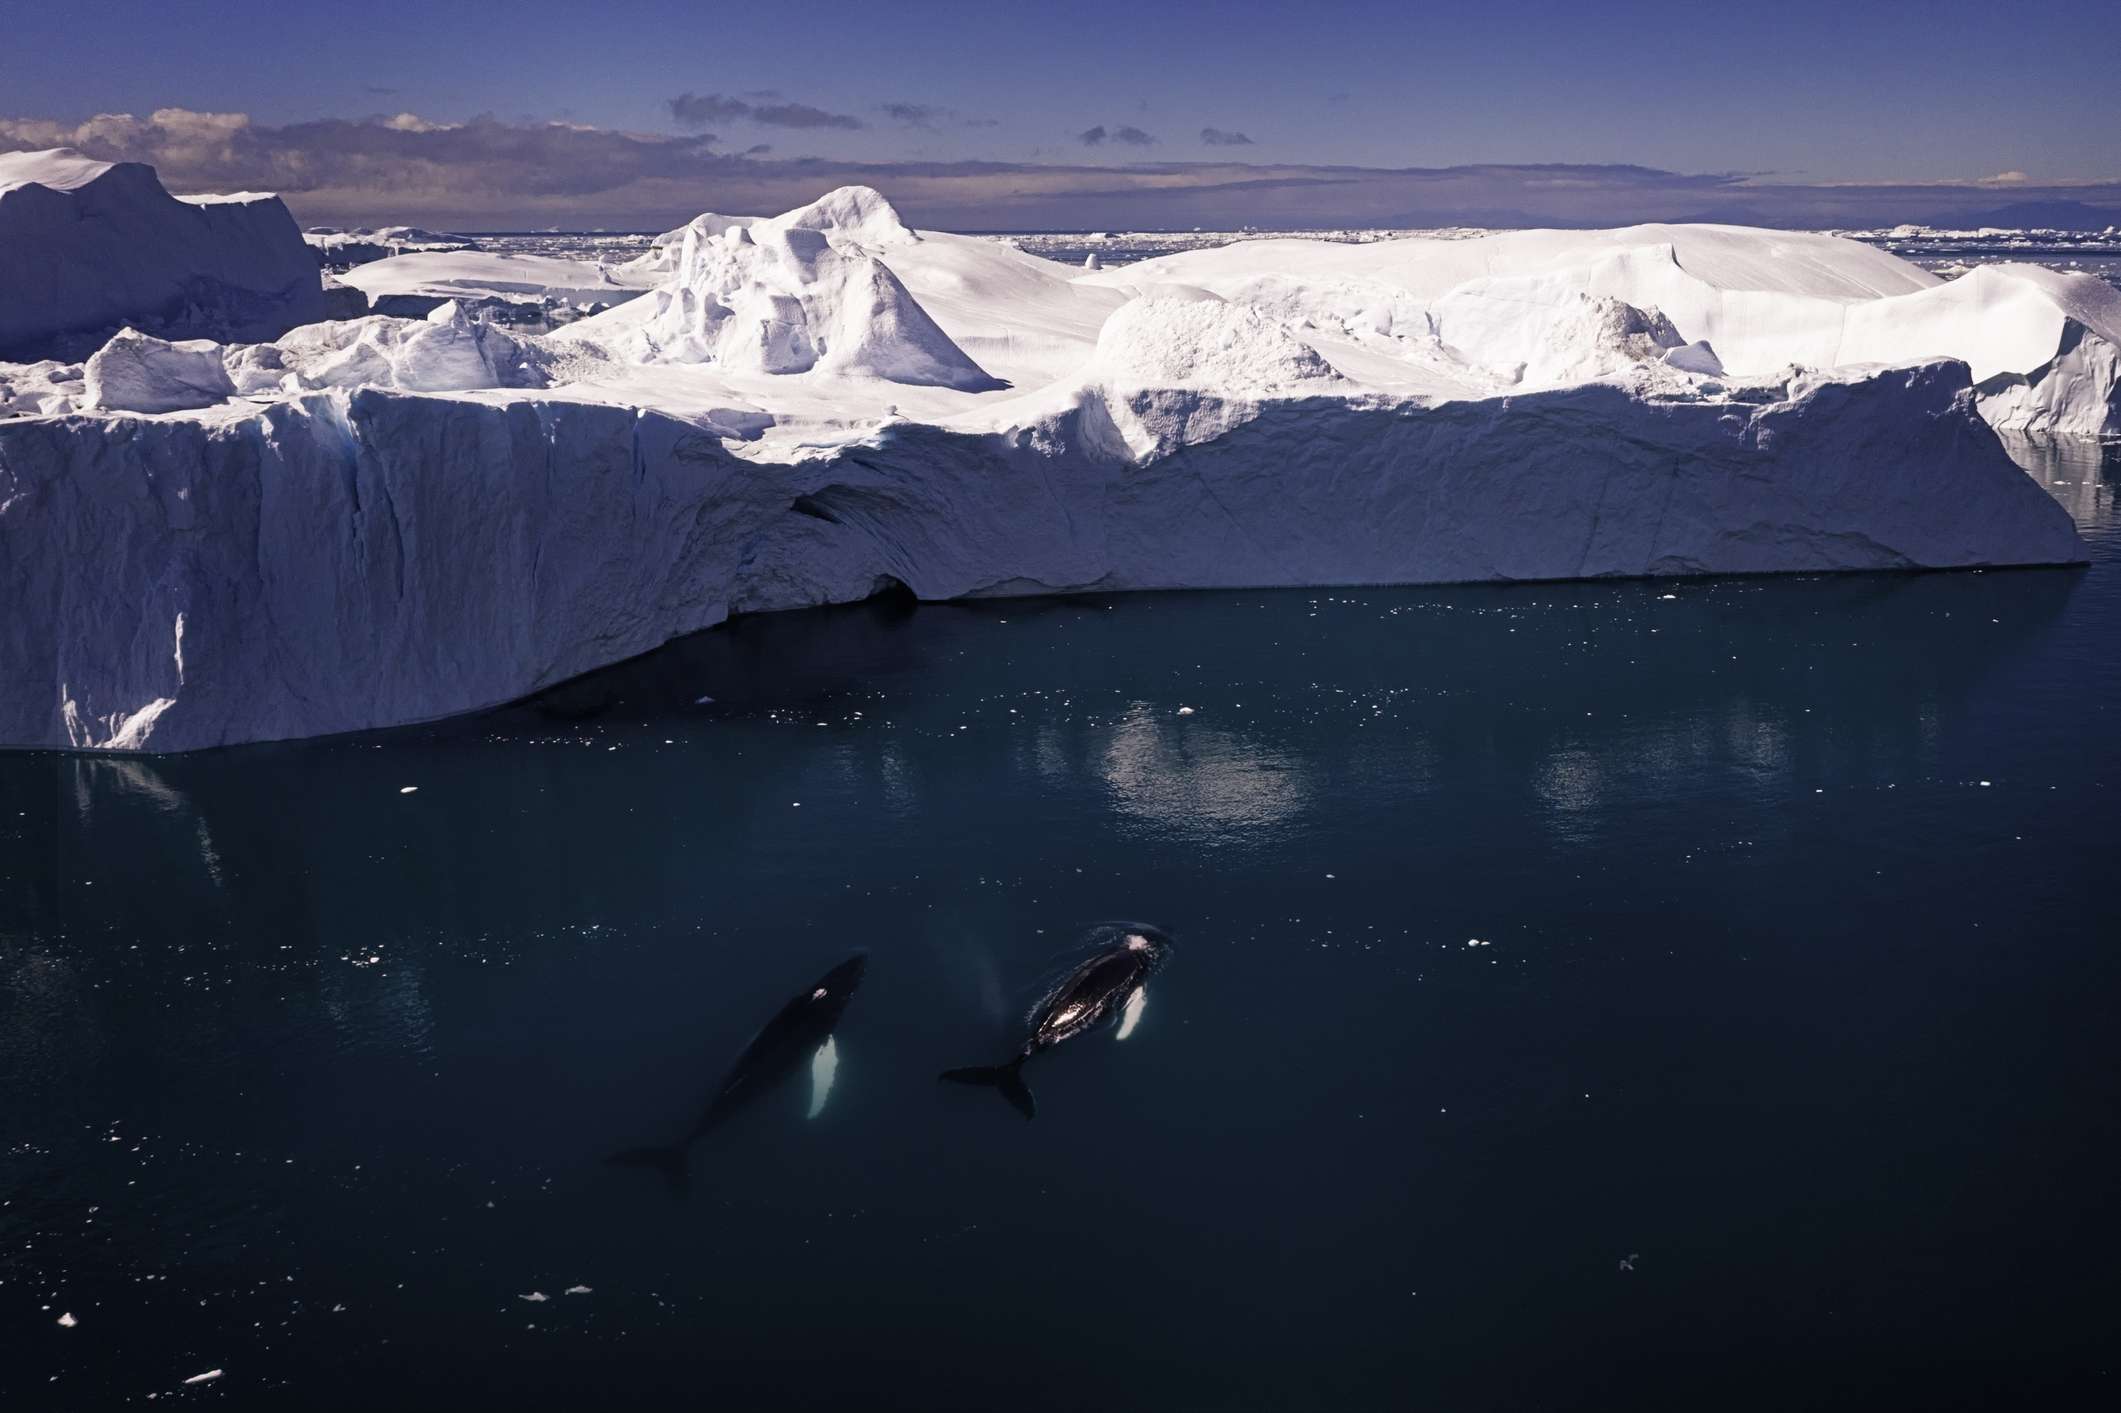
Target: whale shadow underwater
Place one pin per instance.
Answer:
(799, 1035)
(1106, 987)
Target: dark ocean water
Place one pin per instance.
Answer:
(1783, 1073)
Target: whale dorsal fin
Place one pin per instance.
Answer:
(823, 1066)
(1130, 1015)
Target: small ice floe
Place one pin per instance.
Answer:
(578, 1290)
(206, 1378)
(408, 789)
(1477, 942)
(67, 1321)
(1627, 1262)
(1185, 711)
(703, 701)
(536, 1297)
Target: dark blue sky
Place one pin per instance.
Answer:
(1842, 91)
(1798, 93)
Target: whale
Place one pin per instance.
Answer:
(1108, 987)
(798, 1037)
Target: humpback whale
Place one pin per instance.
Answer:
(799, 1036)
(1108, 986)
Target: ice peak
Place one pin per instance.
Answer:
(60, 168)
(857, 213)
(796, 293)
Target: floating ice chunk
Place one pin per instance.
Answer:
(67, 1321)
(577, 1290)
(206, 1378)
(536, 1297)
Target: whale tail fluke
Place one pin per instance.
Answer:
(670, 1162)
(1009, 1079)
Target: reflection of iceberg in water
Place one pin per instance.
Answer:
(2084, 475)
(1734, 684)
(111, 778)
(1572, 783)
(1197, 780)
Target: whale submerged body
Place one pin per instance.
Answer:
(1108, 987)
(799, 1036)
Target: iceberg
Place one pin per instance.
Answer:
(804, 293)
(87, 247)
(2044, 346)
(413, 284)
(384, 520)
(338, 249)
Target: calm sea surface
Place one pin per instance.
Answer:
(1619, 995)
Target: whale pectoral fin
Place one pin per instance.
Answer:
(823, 1066)
(1130, 1016)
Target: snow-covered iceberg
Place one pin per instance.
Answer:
(87, 247)
(338, 249)
(800, 294)
(390, 520)
(1525, 308)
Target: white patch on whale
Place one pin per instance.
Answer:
(823, 1066)
(1131, 1015)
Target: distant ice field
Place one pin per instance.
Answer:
(1945, 252)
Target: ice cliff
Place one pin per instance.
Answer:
(87, 246)
(383, 520)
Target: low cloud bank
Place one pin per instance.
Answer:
(486, 174)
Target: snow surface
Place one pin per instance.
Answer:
(137, 372)
(88, 246)
(481, 274)
(392, 520)
(1496, 307)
